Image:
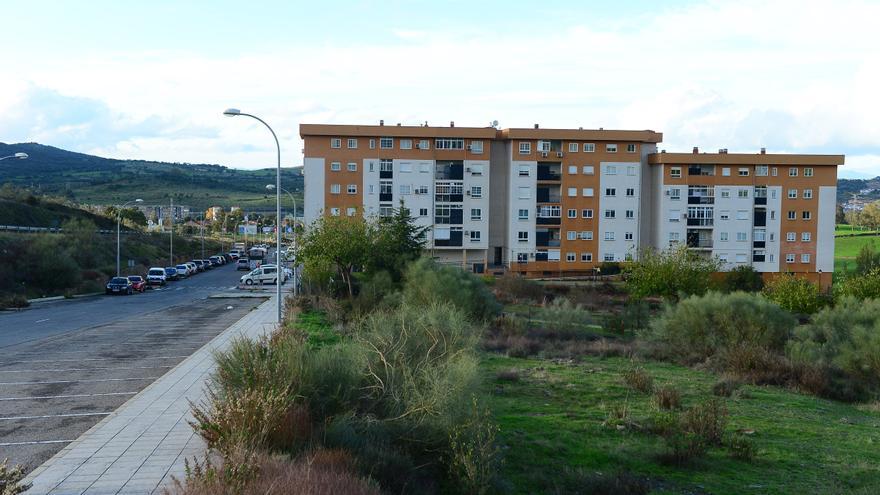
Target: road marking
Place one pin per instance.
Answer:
(41, 321)
(73, 396)
(90, 359)
(70, 415)
(86, 369)
(35, 442)
(82, 381)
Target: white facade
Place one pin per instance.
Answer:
(618, 213)
(733, 232)
(313, 181)
(825, 229)
(523, 189)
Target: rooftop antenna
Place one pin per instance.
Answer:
(495, 124)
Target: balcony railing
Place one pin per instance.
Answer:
(701, 200)
(455, 239)
(700, 243)
(700, 222)
(548, 220)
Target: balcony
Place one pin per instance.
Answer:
(549, 172)
(455, 240)
(700, 222)
(760, 201)
(449, 170)
(548, 220)
(386, 197)
(386, 174)
(699, 239)
(548, 195)
(760, 218)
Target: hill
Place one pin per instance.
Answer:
(846, 188)
(96, 180)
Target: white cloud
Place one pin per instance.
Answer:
(794, 76)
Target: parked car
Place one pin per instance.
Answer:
(234, 255)
(156, 276)
(193, 268)
(182, 270)
(119, 285)
(138, 284)
(266, 274)
(171, 273)
(206, 264)
(199, 265)
(243, 264)
(215, 260)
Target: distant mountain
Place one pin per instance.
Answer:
(95, 180)
(866, 189)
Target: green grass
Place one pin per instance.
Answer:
(320, 332)
(847, 248)
(551, 427)
(842, 229)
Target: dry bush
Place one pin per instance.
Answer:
(706, 420)
(726, 386)
(513, 288)
(10, 479)
(638, 379)
(510, 375)
(666, 397)
(618, 416)
(741, 447)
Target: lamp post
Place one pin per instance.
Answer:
(293, 244)
(118, 218)
(234, 112)
(20, 156)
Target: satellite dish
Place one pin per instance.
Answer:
(494, 123)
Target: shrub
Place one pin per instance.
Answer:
(10, 479)
(14, 301)
(794, 294)
(868, 259)
(638, 379)
(609, 268)
(706, 420)
(742, 278)
(666, 397)
(741, 447)
(865, 286)
(682, 447)
(510, 375)
(563, 316)
(669, 273)
(473, 455)
(426, 282)
(726, 386)
(618, 416)
(515, 288)
(700, 327)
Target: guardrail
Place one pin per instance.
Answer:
(56, 230)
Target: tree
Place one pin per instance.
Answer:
(134, 216)
(868, 259)
(343, 242)
(871, 215)
(669, 273)
(743, 278)
(794, 294)
(397, 241)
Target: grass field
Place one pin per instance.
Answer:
(554, 440)
(844, 229)
(847, 248)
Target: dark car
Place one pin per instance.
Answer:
(119, 285)
(138, 284)
(171, 273)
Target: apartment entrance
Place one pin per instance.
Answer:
(499, 257)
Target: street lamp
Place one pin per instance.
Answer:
(270, 187)
(118, 216)
(234, 112)
(20, 156)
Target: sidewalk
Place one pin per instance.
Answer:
(138, 448)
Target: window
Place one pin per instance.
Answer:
(421, 190)
(406, 167)
(586, 257)
(476, 191)
(522, 236)
(352, 145)
(572, 192)
(572, 169)
(742, 214)
(724, 215)
(675, 172)
(675, 193)
(792, 194)
(351, 211)
(611, 148)
(476, 146)
(449, 144)
(806, 215)
(805, 236)
(724, 236)
(405, 189)
(570, 257)
(610, 213)
(571, 235)
(524, 170)
(774, 171)
(805, 258)
(741, 258)
(336, 142)
(335, 166)
(475, 236)
(610, 170)
(808, 172)
(759, 235)
(572, 213)
(522, 257)
(525, 148)
(385, 187)
(406, 144)
(352, 167)
(589, 147)
(725, 171)
(742, 236)
(587, 192)
(790, 236)
(630, 214)
(386, 165)
(352, 189)
(335, 188)
(587, 170)
(476, 169)
(722, 257)
(761, 170)
(587, 235)
(630, 192)
(372, 144)
(674, 215)
(370, 189)
(334, 212)
(609, 236)
(789, 258)
(424, 144)
(773, 194)
(742, 193)
(608, 257)
(523, 214)
(587, 213)
(544, 146)
(372, 166)
(743, 171)
(423, 212)
(725, 193)
(792, 215)
(572, 147)
(525, 192)
(808, 194)
(628, 236)
(674, 236)
(630, 170)
(610, 191)
(386, 143)
(630, 148)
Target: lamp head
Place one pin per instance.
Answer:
(138, 200)
(270, 186)
(21, 156)
(231, 112)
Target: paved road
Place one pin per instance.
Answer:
(61, 376)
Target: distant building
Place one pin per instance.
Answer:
(213, 213)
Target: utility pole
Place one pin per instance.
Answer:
(171, 232)
(203, 237)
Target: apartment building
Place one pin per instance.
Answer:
(559, 202)
(441, 174)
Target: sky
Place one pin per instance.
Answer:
(150, 80)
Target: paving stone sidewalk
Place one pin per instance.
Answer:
(143, 444)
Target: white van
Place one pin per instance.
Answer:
(266, 274)
(156, 276)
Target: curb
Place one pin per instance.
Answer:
(59, 298)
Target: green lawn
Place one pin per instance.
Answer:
(551, 428)
(843, 229)
(847, 248)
